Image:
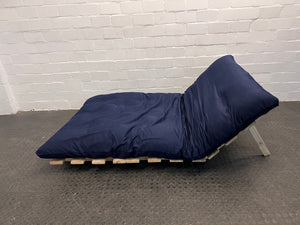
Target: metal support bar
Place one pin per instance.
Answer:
(259, 140)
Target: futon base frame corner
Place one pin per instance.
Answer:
(80, 161)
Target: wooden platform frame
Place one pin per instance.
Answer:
(81, 161)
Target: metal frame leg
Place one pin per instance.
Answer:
(259, 140)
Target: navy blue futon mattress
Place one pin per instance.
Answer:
(224, 100)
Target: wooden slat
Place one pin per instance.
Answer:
(154, 160)
(123, 161)
(261, 144)
(213, 154)
(221, 146)
(251, 125)
(57, 162)
(232, 140)
(77, 161)
(200, 160)
(176, 160)
(98, 161)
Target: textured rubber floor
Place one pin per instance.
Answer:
(238, 186)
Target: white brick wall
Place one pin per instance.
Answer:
(56, 54)
(7, 100)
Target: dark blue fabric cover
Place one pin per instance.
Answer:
(224, 100)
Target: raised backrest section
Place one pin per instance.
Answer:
(224, 100)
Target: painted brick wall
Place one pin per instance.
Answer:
(57, 53)
(5, 107)
(7, 100)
